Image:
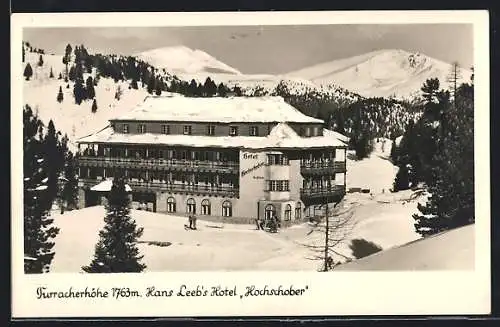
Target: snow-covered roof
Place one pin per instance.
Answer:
(451, 250)
(217, 109)
(281, 136)
(106, 185)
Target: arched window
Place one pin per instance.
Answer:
(170, 204)
(288, 212)
(269, 211)
(205, 207)
(227, 209)
(298, 211)
(191, 206)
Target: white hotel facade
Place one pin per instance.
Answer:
(232, 159)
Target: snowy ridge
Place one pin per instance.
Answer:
(40, 92)
(181, 59)
(383, 73)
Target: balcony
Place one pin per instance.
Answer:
(321, 195)
(193, 189)
(159, 164)
(323, 168)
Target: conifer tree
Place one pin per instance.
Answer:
(38, 228)
(51, 74)
(94, 106)
(40, 61)
(151, 84)
(158, 87)
(60, 76)
(70, 189)
(60, 96)
(133, 84)
(28, 71)
(118, 93)
(221, 90)
(53, 160)
(90, 88)
(192, 90)
(117, 251)
(24, 55)
(78, 91)
(67, 57)
(402, 180)
(237, 91)
(72, 73)
(451, 188)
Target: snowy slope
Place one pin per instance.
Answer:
(382, 73)
(40, 92)
(451, 250)
(181, 59)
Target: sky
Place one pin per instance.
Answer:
(268, 49)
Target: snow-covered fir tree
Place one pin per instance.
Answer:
(116, 250)
(28, 72)
(38, 226)
(451, 186)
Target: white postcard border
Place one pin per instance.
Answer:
(341, 293)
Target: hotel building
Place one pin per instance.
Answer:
(232, 159)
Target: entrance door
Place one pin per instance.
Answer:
(269, 211)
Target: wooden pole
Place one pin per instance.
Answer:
(326, 235)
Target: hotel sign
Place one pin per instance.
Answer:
(257, 165)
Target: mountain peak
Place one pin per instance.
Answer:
(381, 73)
(182, 59)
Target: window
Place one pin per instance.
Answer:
(269, 212)
(233, 130)
(227, 209)
(141, 128)
(205, 207)
(279, 185)
(211, 130)
(191, 206)
(288, 212)
(315, 131)
(171, 204)
(298, 211)
(277, 159)
(254, 131)
(165, 129)
(308, 131)
(125, 128)
(187, 130)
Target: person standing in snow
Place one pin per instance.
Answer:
(193, 219)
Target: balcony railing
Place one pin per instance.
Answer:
(336, 191)
(323, 167)
(226, 191)
(89, 161)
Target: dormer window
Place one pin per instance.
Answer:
(254, 130)
(233, 130)
(141, 128)
(125, 128)
(187, 130)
